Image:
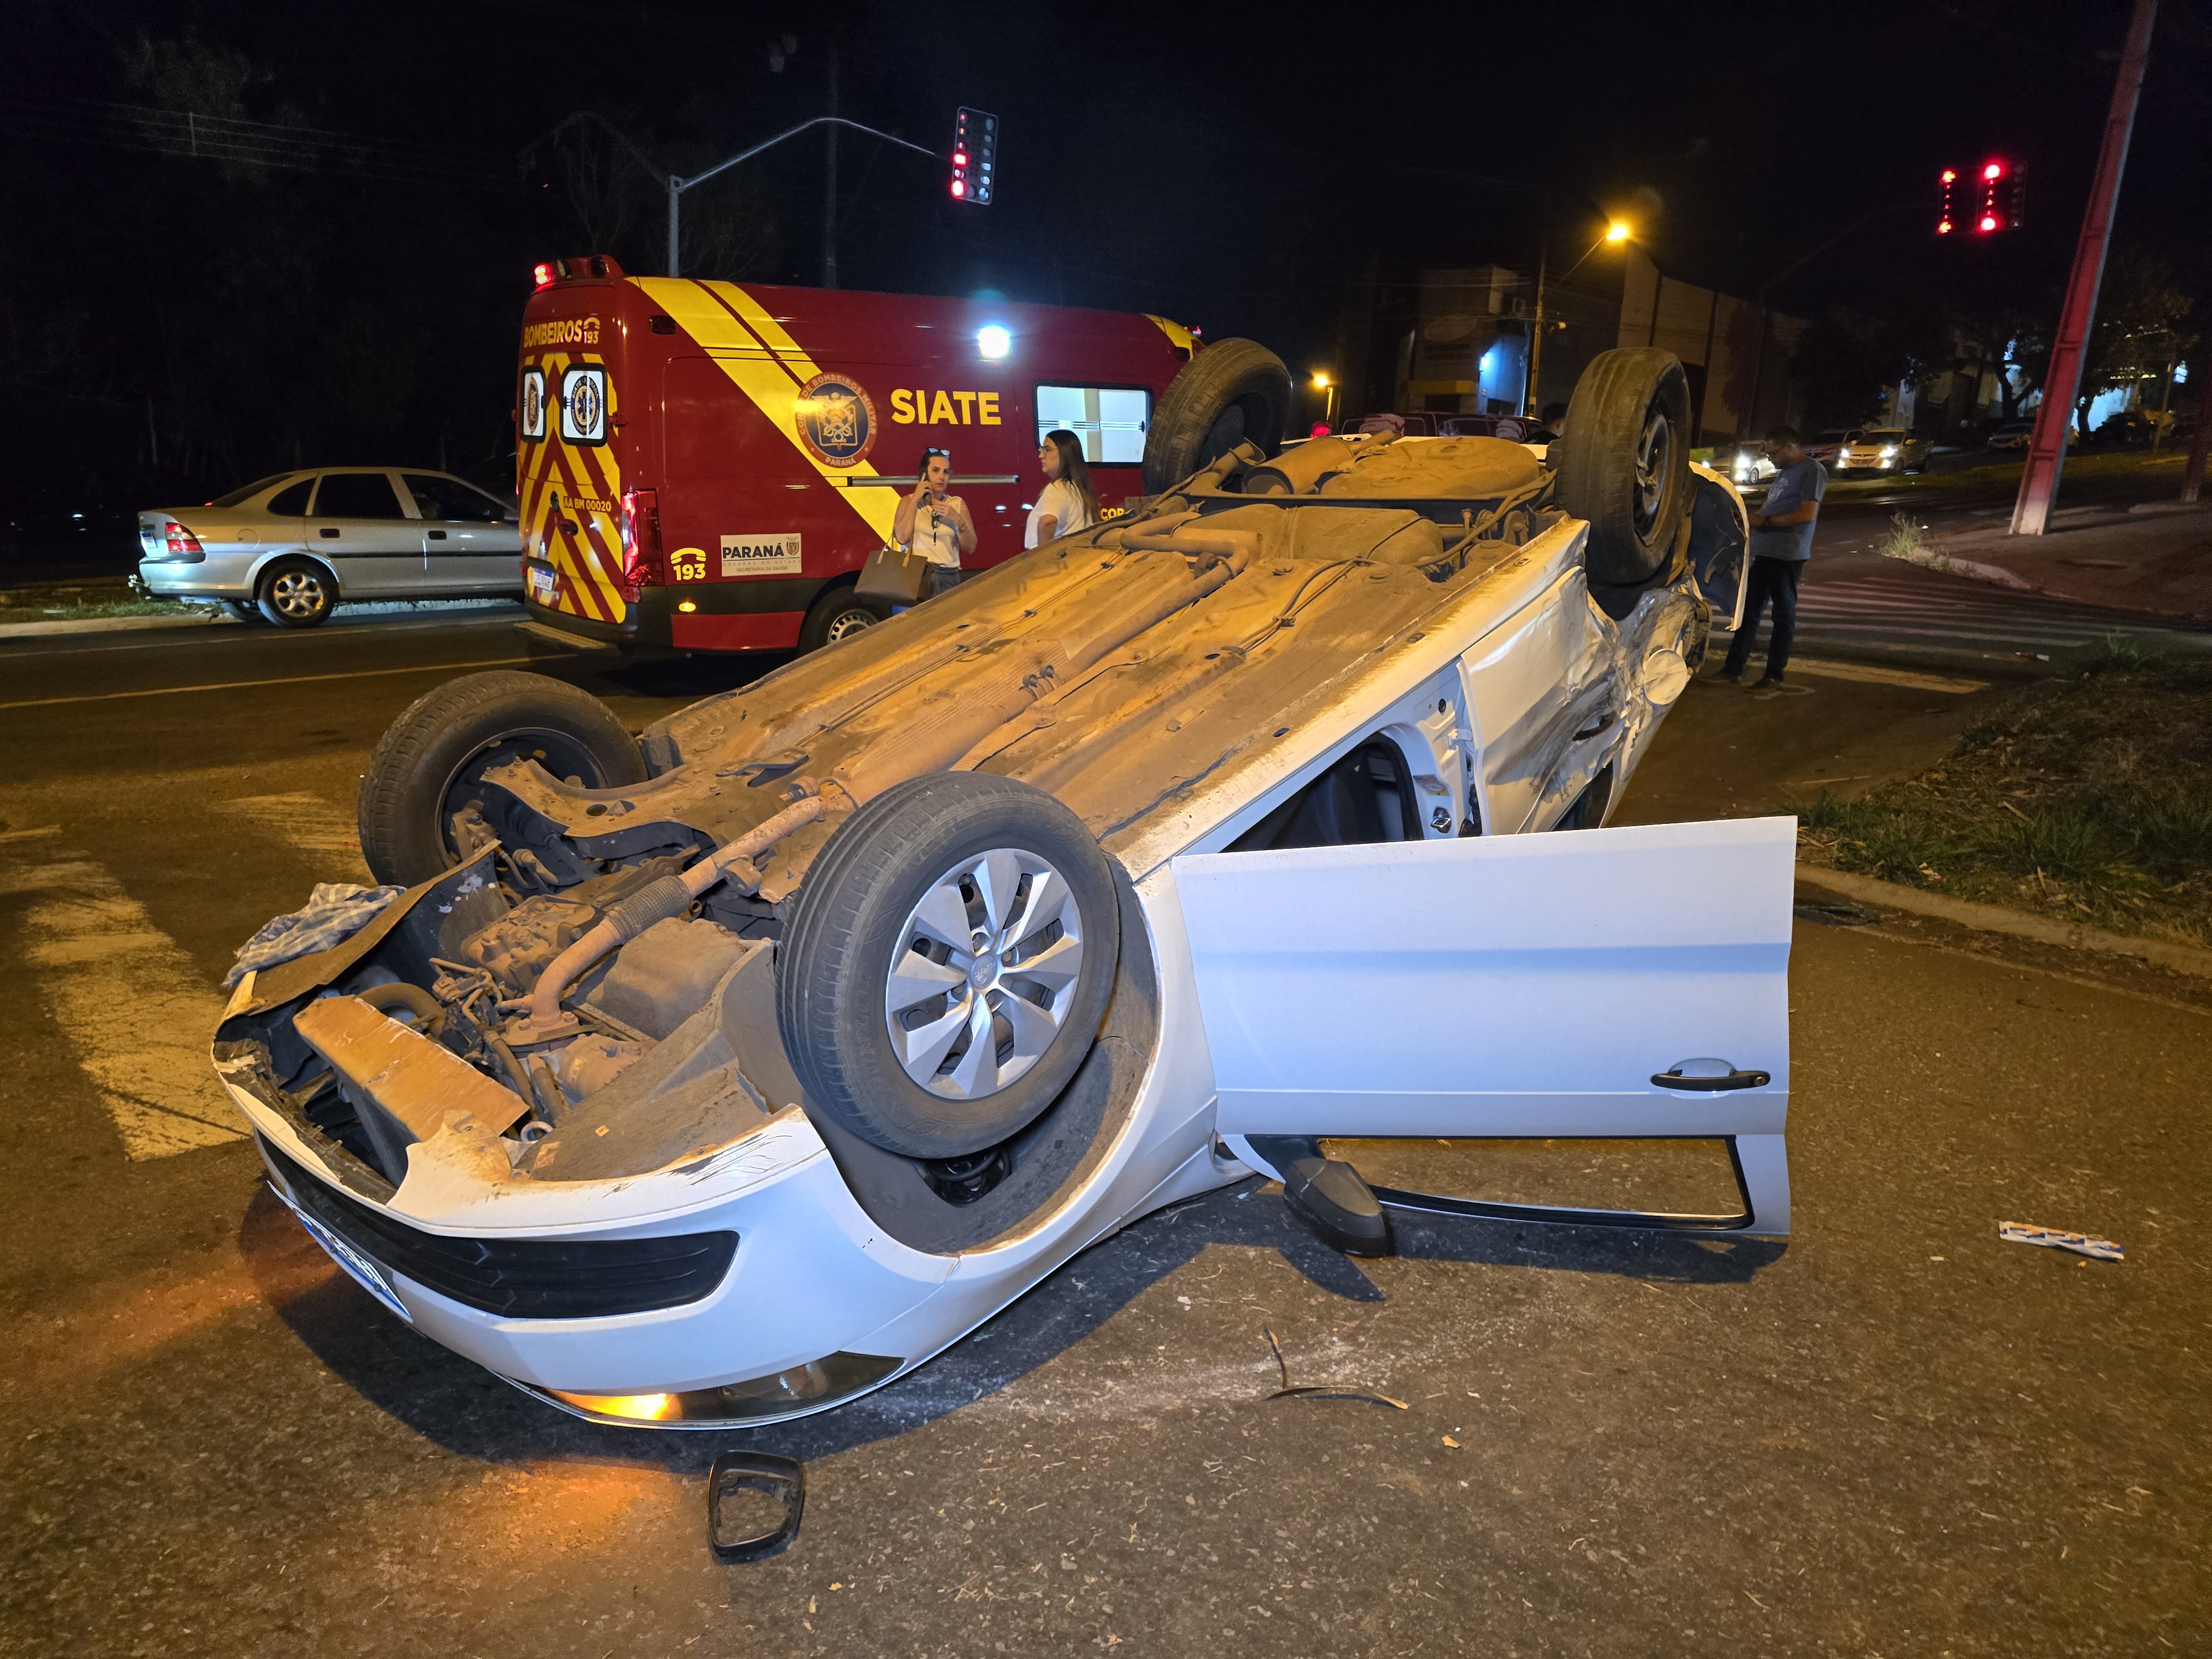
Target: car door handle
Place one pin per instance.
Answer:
(330, 533)
(436, 535)
(1711, 1082)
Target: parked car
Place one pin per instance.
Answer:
(1747, 466)
(291, 546)
(1883, 449)
(1825, 445)
(720, 1074)
(2012, 435)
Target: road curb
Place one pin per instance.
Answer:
(1994, 919)
(98, 624)
(1950, 564)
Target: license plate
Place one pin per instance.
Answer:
(356, 1266)
(543, 581)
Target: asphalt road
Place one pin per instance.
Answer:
(1894, 1435)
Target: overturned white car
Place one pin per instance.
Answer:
(720, 1074)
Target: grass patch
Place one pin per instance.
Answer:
(2088, 799)
(1907, 539)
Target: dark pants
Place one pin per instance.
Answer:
(942, 580)
(1774, 580)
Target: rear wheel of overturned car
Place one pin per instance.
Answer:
(837, 615)
(428, 766)
(952, 959)
(1623, 461)
(296, 593)
(1234, 391)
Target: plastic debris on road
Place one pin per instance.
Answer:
(2020, 1232)
(336, 911)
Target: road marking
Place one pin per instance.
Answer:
(310, 824)
(30, 834)
(131, 1005)
(1872, 676)
(250, 685)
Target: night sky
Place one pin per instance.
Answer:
(175, 319)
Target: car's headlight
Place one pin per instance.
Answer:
(1889, 452)
(1843, 454)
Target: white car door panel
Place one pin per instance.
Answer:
(1517, 986)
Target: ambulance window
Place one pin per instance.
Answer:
(1110, 420)
(451, 499)
(291, 503)
(356, 496)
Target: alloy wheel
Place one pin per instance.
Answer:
(984, 974)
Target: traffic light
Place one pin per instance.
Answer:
(1985, 200)
(975, 156)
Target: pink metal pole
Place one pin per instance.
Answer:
(2046, 448)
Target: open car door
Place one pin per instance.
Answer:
(1606, 983)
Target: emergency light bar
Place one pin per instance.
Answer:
(546, 272)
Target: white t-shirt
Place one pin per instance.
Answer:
(937, 533)
(1058, 501)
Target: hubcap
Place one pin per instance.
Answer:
(297, 593)
(1655, 449)
(847, 623)
(985, 972)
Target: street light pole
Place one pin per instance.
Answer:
(1536, 343)
(2046, 445)
(678, 186)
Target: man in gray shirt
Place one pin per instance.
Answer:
(1781, 542)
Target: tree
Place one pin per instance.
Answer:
(2140, 329)
(1843, 359)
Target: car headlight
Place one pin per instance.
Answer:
(1843, 454)
(1889, 452)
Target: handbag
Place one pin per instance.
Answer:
(893, 576)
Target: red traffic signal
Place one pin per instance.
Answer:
(975, 156)
(2001, 186)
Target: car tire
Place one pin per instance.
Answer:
(837, 615)
(420, 772)
(910, 867)
(1623, 464)
(1233, 391)
(296, 593)
(242, 611)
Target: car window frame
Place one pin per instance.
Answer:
(406, 502)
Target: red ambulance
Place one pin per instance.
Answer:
(706, 466)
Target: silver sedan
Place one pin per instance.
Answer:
(291, 546)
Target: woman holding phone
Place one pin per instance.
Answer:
(935, 524)
(1067, 503)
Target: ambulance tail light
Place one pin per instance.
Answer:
(641, 539)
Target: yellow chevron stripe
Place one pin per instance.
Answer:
(1178, 336)
(766, 365)
(578, 559)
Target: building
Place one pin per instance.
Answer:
(1462, 339)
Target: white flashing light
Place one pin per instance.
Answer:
(993, 341)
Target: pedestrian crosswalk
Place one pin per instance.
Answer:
(1906, 609)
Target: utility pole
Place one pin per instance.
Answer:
(1536, 341)
(2047, 447)
(830, 188)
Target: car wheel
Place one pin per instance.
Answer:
(837, 615)
(296, 593)
(427, 767)
(1623, 464)
(1234, 391)
(951, 957)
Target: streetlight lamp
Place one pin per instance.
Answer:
(1323, 385)
(1617, 231)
